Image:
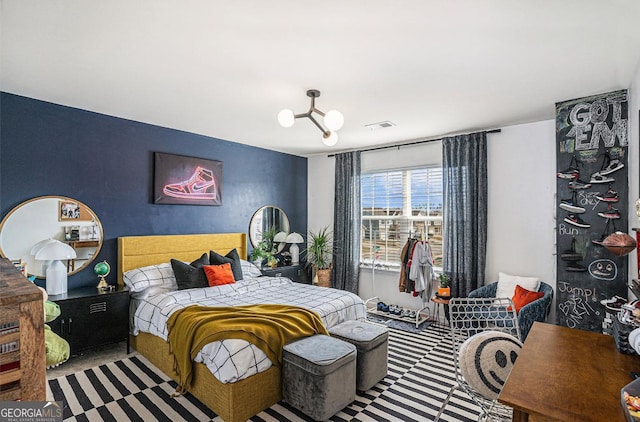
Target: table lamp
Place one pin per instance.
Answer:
(280, 238)
(56, 274)
(294, 238)
(36, 248)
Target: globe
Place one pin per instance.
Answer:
(102, 269)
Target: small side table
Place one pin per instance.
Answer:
(440, 301)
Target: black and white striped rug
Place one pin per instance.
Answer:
(420, 376)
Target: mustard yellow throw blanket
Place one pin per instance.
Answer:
(269, 327)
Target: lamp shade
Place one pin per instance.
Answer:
(41, 244)
(330, 138)
(56, 250)
(333, 120)
(280, 237)
(286, 118)
(37, 247)
(294, 238)
(56, 272)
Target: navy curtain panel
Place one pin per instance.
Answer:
(465, 211)
(346, 222)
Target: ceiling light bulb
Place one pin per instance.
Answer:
(333, 120)
(330, 138)
(286, 118)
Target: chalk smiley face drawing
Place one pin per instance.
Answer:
(603, 269)
(486, 359)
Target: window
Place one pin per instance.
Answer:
(398, 204)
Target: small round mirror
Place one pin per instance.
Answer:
(51, 217)
(268, 219)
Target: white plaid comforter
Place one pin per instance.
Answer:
(233, 360)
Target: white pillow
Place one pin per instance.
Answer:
(160, 275)
(249, 270)
(507, 284)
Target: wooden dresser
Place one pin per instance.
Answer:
(22, 354)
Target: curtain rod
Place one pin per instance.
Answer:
(423, 141)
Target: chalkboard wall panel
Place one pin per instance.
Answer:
(592, 202)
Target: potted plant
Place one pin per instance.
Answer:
(444, 290)
(265, 249)
(319, 254)
(272, 261)
(259, 254)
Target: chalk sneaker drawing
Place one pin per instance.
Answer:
(201, 186)
(571, 254)
(575, 267)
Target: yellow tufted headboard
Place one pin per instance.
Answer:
(140, 251)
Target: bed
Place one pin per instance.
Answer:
(233, 401)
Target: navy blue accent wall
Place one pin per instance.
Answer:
(107, 163)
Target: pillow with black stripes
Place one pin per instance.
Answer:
(249, 270)
(140, 279)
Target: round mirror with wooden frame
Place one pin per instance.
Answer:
(267, 219)
(51, 217)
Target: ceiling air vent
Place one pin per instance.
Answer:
(379, 125)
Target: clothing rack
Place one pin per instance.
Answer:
(423, 314)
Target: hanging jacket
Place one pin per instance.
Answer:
(422, 268)
(403, 261)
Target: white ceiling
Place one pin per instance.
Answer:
(226, 68)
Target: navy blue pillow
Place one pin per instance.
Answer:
(191, 276)
(232, 258)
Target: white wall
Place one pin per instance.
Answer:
(522, 185)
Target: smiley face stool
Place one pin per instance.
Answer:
(486, 359)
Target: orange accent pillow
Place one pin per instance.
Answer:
(217, 275)
(523, 297)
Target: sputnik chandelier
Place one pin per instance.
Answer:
(333, 119)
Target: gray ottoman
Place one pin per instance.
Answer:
(372, 343)
(319, 375)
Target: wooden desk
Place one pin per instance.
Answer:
(569, 375)
(77, 244)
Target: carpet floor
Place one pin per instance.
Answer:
(419, 378)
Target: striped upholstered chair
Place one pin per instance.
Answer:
(534, 311)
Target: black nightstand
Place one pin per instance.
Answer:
(297, 273)
(90, 317)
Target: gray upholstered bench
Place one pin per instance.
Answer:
(372, 343)
(319, 375)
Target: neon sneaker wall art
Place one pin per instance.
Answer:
(187, 180)
(200, 186)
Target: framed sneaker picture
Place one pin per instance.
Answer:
(179, 179)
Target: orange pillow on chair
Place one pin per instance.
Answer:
(523, 297)
(217, 275)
